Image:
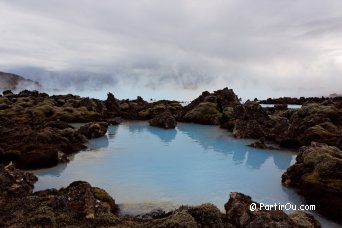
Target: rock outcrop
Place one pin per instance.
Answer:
(316, 122)
(209, 108)
(289, 128)
(79, 204)
(38, 145)
(250, 119)
(318, 175)
(94, 129)
(239, 214)
(14, 182)
(165, 120)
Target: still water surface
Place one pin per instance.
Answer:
(145, 168)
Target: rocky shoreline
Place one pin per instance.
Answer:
(36, 133)
(82, 205)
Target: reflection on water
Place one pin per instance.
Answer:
(135, 157)
(165, 136)
(139, 163)
(100, 142)
(192, 164)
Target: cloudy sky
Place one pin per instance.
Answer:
(175, 48)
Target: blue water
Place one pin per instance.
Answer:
(144, 168)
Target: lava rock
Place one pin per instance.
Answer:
(318, 175)
(94, 130)
(165, 120)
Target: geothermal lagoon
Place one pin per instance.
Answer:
(145, 168)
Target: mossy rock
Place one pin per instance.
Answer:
(204, 113)
(212, 99)
(103, 196)
(124, 106)
(145, 114)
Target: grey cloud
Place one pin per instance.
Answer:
(251, 46)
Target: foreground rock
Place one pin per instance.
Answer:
(239, 213)
(14, 182)
(42, 145)
(164, 120)
(318, 175)
(81, 205)
(94, 129)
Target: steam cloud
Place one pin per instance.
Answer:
(171, 49)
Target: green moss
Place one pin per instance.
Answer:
(124, 106)
(205, 112)
(145, 114)
(103, 196)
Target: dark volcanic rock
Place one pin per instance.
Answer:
(316, 122)
(261, 144)
(38, 145)
(318, 175)
(164, 120)
(112, 104)
(250, 120)
(299, 101)
(204, 113)
(94, 130)
(14, 182)
(290, 143)
(209, 108)
(38, 158)
(280, 106)
(239, 214)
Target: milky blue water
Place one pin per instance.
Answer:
(144, 168)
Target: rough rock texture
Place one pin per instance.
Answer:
(261, 144)
(28, 106)
(290, 128)
(317, 122)
(94, 129)
(239, 214)
(38, 145)
(164, 120)
(204, 113)
(318, 175)
(156, 108)
(14, 182)
(209, 108)
(112, 104)
(249, 120)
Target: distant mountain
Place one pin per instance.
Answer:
(16, 82)
(335, 95)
